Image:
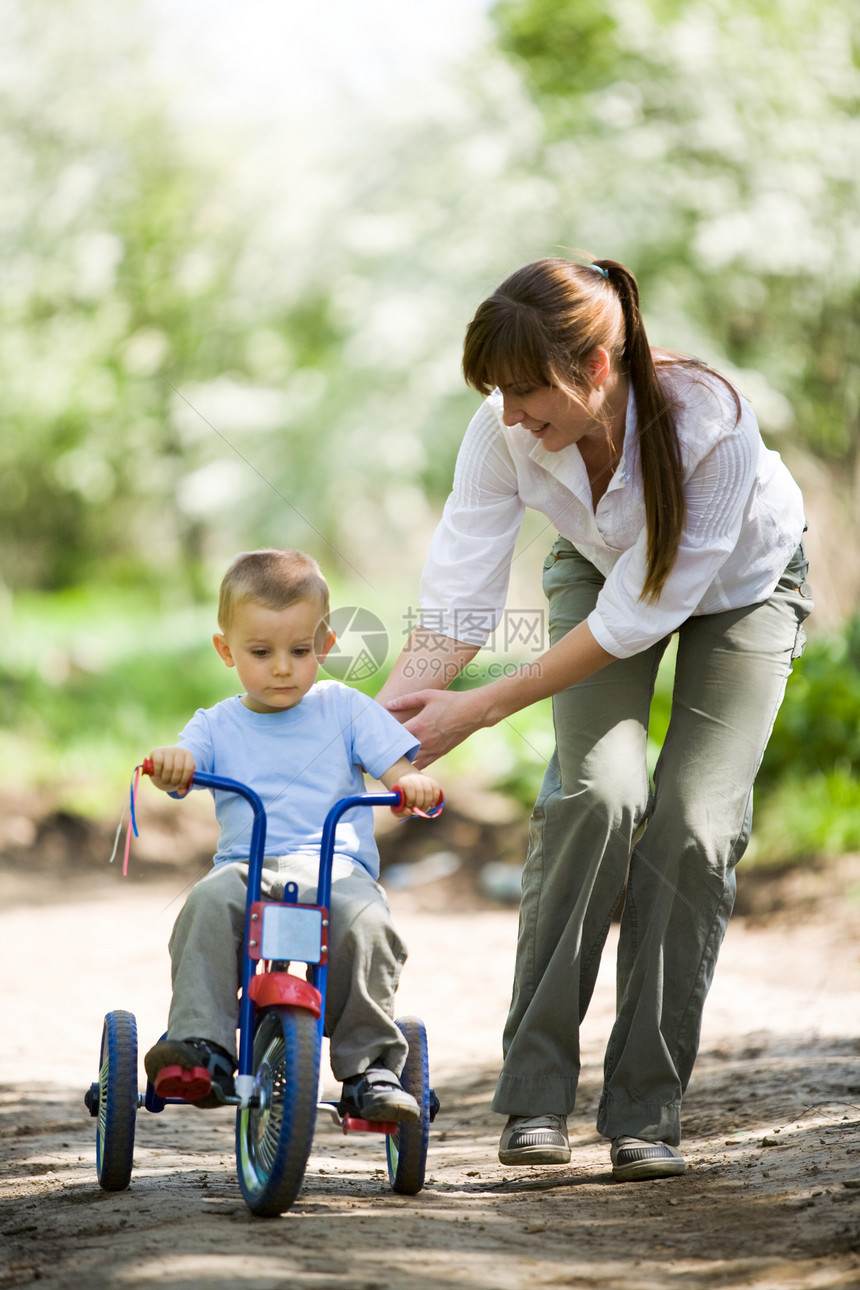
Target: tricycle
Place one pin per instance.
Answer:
(281, 1027)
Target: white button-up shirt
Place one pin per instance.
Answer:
(744, 520)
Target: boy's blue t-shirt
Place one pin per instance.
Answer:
(300, 762)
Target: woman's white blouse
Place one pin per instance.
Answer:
(744, 520)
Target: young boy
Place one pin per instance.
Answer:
(301, 745)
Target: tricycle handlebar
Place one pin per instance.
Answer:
(256, 854)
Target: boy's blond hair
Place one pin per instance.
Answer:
(275, 578)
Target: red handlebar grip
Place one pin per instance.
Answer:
(401, 798)
(147, 766)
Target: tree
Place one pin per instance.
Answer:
(116, 274)
(716, 149)
(218, 338)
(721, 145)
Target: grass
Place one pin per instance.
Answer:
(92, 679)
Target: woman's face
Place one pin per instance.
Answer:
(553, 418)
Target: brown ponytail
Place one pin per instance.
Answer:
(657, 440)
(539, 328)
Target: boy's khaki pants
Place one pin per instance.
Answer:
(364, 960)
(692, 829)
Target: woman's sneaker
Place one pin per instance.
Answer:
(535, 1140)
(377, 1094)
(634, 1159)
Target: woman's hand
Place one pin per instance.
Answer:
(442, 719)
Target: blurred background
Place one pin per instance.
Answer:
(240, 246)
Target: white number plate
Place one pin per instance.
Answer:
(292, 932)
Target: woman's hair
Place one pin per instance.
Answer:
(540, 327)
(274, 578)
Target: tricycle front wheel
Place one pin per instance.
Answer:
(274, 1135)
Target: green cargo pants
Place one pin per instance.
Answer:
(599, 825)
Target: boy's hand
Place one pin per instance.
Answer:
(172, 769)
(420, 793)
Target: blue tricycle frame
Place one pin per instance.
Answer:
(281, 1026)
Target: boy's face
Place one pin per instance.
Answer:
(276, 652)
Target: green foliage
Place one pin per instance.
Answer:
(818, 729)
(716, 149)
(213, 339)
(567, 50)
(92, 680)
(206, 348)
(813, 818)
(100, 310)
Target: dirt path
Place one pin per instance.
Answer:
(771, 1197)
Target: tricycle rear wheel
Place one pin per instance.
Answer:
(406, 1147)
(117, 1101)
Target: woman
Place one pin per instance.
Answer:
(672, 517)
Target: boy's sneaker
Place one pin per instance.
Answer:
(634, 1159)
(535, 1140)
(194, 1069)
(377, 1094)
